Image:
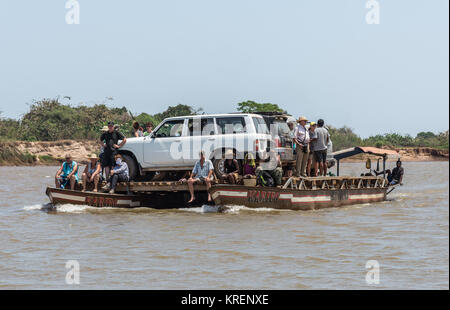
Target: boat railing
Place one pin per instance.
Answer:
(340, 182)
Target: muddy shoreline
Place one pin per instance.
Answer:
(44, 153)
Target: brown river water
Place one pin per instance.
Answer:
(238, 249)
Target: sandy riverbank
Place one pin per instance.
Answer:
(21, 153)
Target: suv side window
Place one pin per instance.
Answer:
(201, 126)
(260, 125)
(170, 129)
(229, 125)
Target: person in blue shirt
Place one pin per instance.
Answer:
(119, 173)
(68, 172)
(202, 173)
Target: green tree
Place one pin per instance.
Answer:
(178, 110)
(252, 107)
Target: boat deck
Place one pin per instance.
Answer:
(312, 183)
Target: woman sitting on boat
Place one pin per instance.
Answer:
(68, 172)
(249, 166)
(92, 173)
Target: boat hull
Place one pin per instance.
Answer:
(67, 196)
(293, 199)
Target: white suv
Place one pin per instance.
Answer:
(175, 143)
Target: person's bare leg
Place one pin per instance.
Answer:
(308, 168)
(325, 167)
(191, 189)
(208, 186)
(230, 178)
(316, 168)
(84, 178)
(72, 182)
(96, 180)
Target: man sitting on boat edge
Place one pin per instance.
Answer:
(68, 172)
(202, 172)
(396, 176)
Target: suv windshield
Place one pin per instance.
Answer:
(170, 129)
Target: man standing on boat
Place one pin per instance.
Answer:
(302, 146)
(109, 141)
(202, 172)
(320, 148)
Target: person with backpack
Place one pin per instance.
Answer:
(270, 171)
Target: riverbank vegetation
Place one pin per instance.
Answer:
(50, 120)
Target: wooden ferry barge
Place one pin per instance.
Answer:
(295, 194)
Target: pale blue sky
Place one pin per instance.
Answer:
(313, 58)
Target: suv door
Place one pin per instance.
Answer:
(202, 135)
(158, 146)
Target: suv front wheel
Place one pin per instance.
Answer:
(133, 168)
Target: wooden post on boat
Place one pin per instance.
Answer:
(337, 168)
(384, 166)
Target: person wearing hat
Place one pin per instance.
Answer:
(312, 140)
(92, 172)
(230, 168)
(110, 142)
(301, 139)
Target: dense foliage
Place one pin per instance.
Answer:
(50, 120)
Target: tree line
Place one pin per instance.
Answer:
(50, 120)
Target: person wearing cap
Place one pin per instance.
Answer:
(230, 167)
(301, 138)
(92, 172)
(110, 142)
(68, 172)
(312, 140)
(396, 175)
(202, 173)
(291, 122)
(320, 149)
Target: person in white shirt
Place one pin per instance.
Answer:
(301, 139)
